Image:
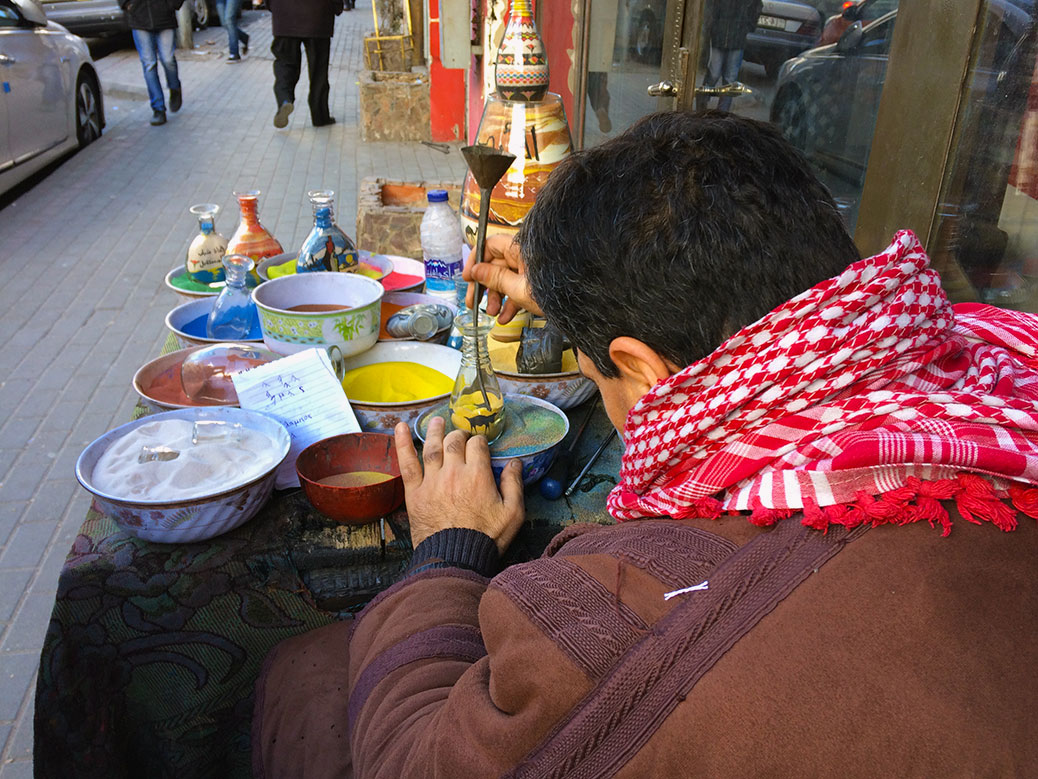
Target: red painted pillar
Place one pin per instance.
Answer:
(447, 98)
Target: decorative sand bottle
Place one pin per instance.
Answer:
(251, 238)
(327, 247)
(205, 254)
(477, 405)
(521, 65)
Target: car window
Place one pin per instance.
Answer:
(8, 16)
(876, 38)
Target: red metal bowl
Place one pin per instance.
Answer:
(345, 453)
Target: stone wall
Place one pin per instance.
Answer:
(389, 214)
(398, 53)
(394, 106)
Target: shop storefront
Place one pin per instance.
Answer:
(922, 114)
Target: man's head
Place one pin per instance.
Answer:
(679, 232)
(675, 235)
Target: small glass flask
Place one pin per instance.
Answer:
(234, 316)
(206, 251)
(251, 238)
(477, 405)
(206, 374)
(327, 247)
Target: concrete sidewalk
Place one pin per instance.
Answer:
(82, 300)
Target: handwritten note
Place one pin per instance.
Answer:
(302, 393)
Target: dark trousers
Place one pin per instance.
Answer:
(288, 62)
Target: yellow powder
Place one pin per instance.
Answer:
(355, 479)
(395, 382)
(502, 356)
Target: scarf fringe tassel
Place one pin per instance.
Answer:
(918, 500)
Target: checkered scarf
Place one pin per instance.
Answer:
(868, 384)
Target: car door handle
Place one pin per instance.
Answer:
(663, 89)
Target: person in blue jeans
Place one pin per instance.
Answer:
(229, 13)
(153, 24)
(728, 22)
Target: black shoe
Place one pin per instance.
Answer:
(245, 47)
(233, 59)
(158, 117)
(175, 100)
(325, 122)
(281, 117)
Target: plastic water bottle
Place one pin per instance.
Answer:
(441, 245)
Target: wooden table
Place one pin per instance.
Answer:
(152, 651)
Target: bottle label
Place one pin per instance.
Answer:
(445, 268)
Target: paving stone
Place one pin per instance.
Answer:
(16, 671)
(27, 545)
(10, 513)
(29, 624)
(13, 584)
(16, 769)
(19, 746)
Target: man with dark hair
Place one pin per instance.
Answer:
(783, 594)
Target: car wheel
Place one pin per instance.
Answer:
(200, 13)
(646, 41)
(88, 110)
(790, 114)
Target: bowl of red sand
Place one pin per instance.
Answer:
(159, 385)
(352, 478)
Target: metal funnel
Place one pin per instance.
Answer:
(487, 165)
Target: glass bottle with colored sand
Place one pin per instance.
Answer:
(234, 316)
(205, 254)
(327, 247)
(477, 405)
(251, 238)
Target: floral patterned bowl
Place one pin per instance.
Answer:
(353, 328)
(205, 516)
(383, 417)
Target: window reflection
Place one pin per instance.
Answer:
(987, 234)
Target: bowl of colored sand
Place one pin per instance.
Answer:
(408, 274)
(304, 310)
(159, 386)
(398, 381)
(566, 389)
(371, 266)
(534, 428)
(187, 323)
(395, 301)
(185, 475)
(186, 288)
(352, 478)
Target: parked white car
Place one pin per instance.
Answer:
(50, 95)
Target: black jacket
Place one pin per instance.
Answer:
(151, 15)
(304, 18)
(731, 21)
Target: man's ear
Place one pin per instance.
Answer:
(641, 367)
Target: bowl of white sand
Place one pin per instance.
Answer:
(185, 475)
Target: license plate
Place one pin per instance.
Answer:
(773, 22)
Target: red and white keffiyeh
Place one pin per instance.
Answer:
(868, 384)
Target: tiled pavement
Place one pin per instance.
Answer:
(82, 258)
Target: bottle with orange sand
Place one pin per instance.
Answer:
(477, 405)
(251, 238)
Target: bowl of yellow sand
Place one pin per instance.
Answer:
(566, 389)
(397, 381)
(373, 266)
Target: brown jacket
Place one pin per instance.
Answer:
(904, 655)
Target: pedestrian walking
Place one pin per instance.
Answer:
(306, 24)
(230, 12)
(153, 24)
(729, 24)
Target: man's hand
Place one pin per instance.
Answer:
(503, 274)
(457, 488)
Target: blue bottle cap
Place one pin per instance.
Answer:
(437, 196)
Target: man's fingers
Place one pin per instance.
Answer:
(432, 451)
(454, 447)
(512, 487)
(410, 467)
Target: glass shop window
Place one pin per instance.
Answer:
(986, 239)
(816, 70)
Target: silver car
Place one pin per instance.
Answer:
(50, 95)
